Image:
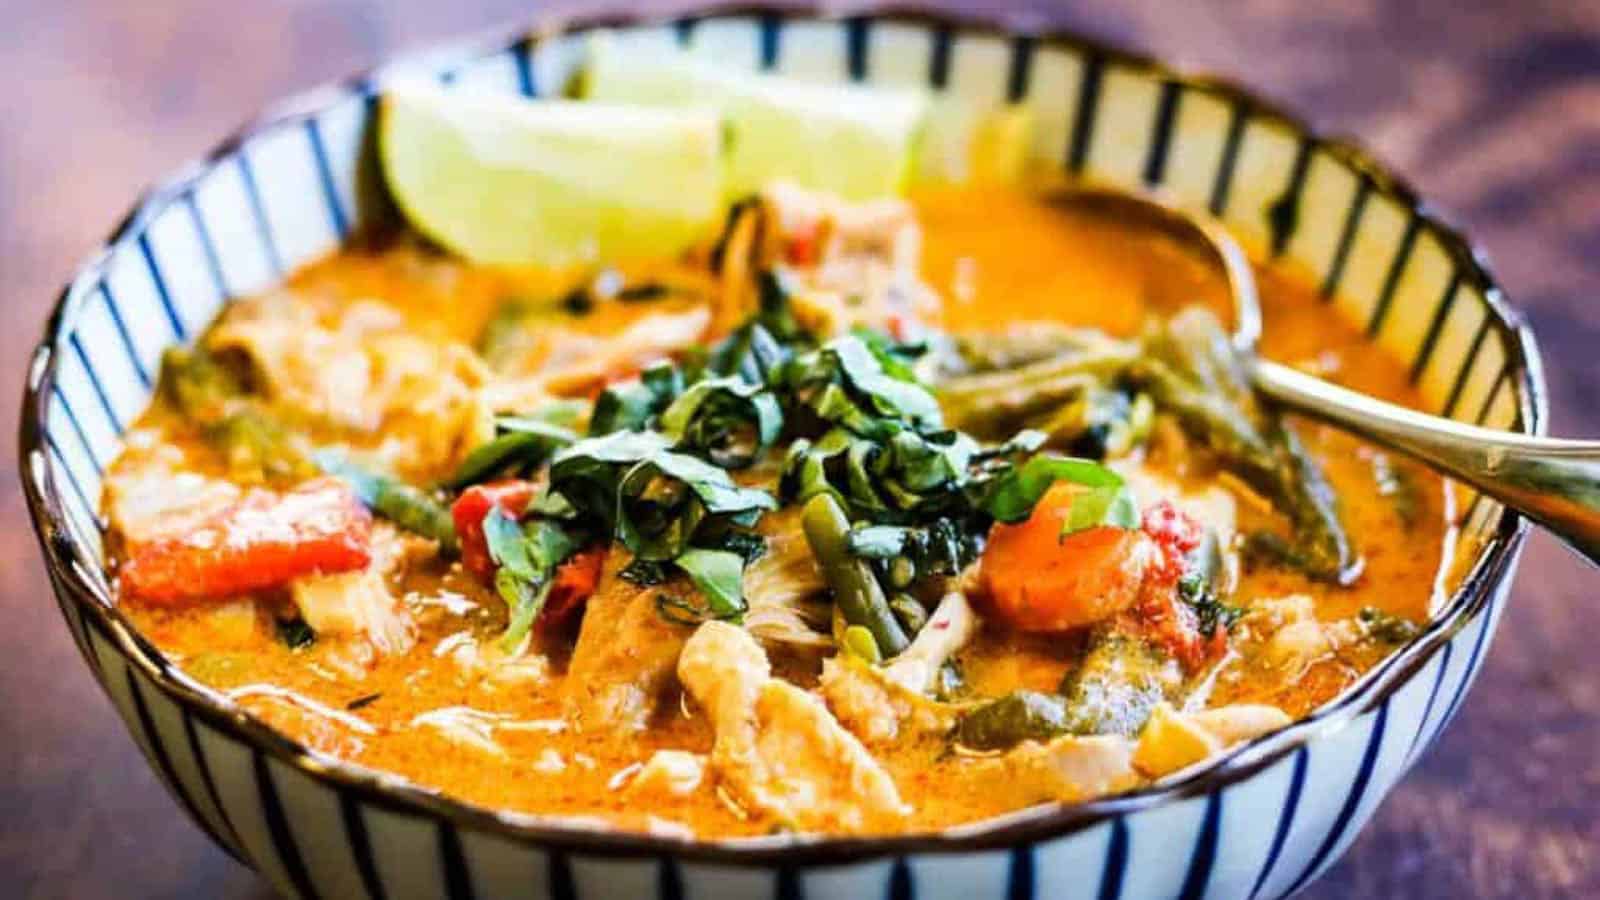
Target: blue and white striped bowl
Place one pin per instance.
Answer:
(1262, 821)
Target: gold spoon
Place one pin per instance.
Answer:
(1553, 481)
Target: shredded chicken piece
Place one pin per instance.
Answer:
(568, 363)
(668, 773)
(877, 708)
(1066, 769)
(778, 749)
(855, 263)
(890, 703)
(358, 368)
(361, 605)
(784, 587)
(148, 494)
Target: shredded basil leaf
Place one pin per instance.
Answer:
(719, 575)
(729, 420)
(1106, 502)
(527, 557)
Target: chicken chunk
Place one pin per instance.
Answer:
(778, 750)
(878, 709)
(887, 704)
(149, 496)
(1064, 769)
(357, 367)
(625, 654)
(668, 773)
(362, 605)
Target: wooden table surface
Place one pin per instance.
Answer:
(1492, 107)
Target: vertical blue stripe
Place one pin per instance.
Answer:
(683, 29)
(1472, 665)
(94, 381)
(1468, 363)
(207, 245)
(669, 881)
(1222, 185)
(457, 880)
(1204, 855)
(1284, 214)
(1347, 237)
(770, 36)
(160, 281)
(1020, 883)
(355, 832)
(559, 877)
(1291, 805)
(115, 310)
(77, 428)
(257, 210)
(1397, 268)
(1021, 71)
(1088, 109)
(209, 782)
(162, 760)
(1431, 340)
(278, 829)
(522, 53)
(61, 464)
(1352, 801)
(1427, 709)
(856, 30)
(939, 57)
(901, 885)
(319, 152)
(1155, 161)
(1115, 867)
(789, 887)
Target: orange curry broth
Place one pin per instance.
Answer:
(995, 257)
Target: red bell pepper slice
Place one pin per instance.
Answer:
(262, 540)
(469, 510)
(575, 581)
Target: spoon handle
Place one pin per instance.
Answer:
(1553, 482)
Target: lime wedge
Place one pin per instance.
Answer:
(854, 141)
(503, 180)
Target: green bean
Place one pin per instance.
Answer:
(212, 397)
(1034, 342)
(405, 505)
(1118, 683)
(855, 591)
(1012, 719)
(908, 612)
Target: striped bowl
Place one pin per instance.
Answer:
(1263, 820)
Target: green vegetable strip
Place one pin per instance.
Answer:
(525, 445)
(527, 558)
(719, 576)
(405, 505)
(855, 591)
(1019, 716)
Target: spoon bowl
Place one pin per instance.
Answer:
(1553, 481)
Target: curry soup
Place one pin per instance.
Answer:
(695, 652)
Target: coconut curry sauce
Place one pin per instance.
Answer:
(1176, 596)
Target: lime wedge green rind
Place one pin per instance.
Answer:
(503, 180)
(855, 141)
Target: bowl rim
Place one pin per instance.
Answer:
(68, 562)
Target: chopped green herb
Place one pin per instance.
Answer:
(295, 633)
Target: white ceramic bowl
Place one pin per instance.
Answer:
(1262, 820)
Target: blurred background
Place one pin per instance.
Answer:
(1492, 108)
